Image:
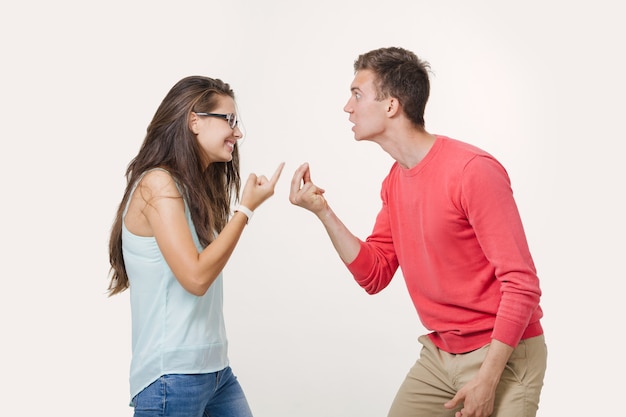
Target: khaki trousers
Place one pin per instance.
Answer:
(437, 376)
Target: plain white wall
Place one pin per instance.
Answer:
(539, 84)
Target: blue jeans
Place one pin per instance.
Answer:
(217, 394)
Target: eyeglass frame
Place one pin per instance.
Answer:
(231, 118)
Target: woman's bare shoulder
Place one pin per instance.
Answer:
(158, 183)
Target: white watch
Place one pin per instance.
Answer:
(245, 210)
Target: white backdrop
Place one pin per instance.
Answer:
(539, 84)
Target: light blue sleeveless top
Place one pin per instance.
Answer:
(173, 331)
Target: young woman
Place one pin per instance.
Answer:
(172, 236)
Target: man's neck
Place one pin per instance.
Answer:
(409, 146)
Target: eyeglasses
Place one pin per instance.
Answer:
(231, 118)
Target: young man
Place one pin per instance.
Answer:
(449, 221)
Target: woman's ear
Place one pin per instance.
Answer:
(193, 123)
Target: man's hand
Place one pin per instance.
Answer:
(479, 394)
(477, 398)
(306, 194)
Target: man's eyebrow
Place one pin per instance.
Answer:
(354, 88)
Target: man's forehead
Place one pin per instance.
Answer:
(362, 78)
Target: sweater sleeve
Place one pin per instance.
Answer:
(488, 200)
(376, 263)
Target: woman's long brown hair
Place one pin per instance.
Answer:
(171, 145)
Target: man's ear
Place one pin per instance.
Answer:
(393, 106)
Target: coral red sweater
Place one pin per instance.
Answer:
(452, 225)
